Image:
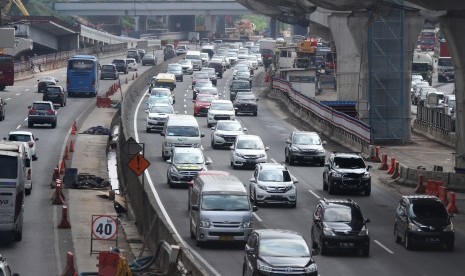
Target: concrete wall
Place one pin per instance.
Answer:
(144, 205)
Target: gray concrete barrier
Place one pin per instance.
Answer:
(143, 204)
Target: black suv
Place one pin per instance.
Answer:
(246, 102)
(2, 109)
(339, 224)
(346, 171)
(56, 94)
(238, 86)
(423, 219)
(218, 68)
(121, 65)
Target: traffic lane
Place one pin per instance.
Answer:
(39, 220)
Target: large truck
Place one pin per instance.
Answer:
(267, 48)
(445, 64)
(423, 65)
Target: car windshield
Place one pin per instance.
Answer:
(188, 158)
(148, 56)
(222, 106)
(241, 85)
(159, 93)
(427, 209)
(243, 74)
(186, 131)
(228, 126)
(154, 100)
(427, 41)
(174, 67)
(305, 139)
(445, 62)
(162, 109)
(41, 106)
(203, 84)
(250, 144)
(274, 176)
(201, 75)
(162, 84)
(207, 99)
(349, 163)
(225, 202)
(420, 67)
(283, 247)
(245, 96)
(242, 68)
(185, 62)
(19, 137)
(342, 213)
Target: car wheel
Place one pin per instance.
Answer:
(255, 201)
(34, 157)
(366, 251)
(314, 243)
(286, 157)
(325, 184)
(54, 124)
(232, 165)
(244, 272)
(407, 242)
(323, 249)
(62, 104)
(18, 236)
(147, 130)
(28, 191)
(291, 159)
(322, 163)
(192, 232)
(294, 205)
(164, 156)
(198, 242)
(168, 181)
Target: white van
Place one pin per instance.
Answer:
(195, 58)
(220, 209)
(180, 131)
(13, 175)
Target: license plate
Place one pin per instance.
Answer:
(432, 239)
(250, 161)
(308, 157)
(226, 238)
(346, 244)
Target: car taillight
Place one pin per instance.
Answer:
(32, 111)
(29, 174)
(50, 112)
(31, 144)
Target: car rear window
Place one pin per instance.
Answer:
(108, 68)
(19, 137)
(53, 90)
(41, 106)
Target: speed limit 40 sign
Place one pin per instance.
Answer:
(104, 227)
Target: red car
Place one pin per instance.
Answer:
(202, 104)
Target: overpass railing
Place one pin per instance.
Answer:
(435, 119)
(332, 120)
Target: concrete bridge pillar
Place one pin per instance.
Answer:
(273, 28)
(453, 28)
(140, 23)
(210, 23)
(350, 37)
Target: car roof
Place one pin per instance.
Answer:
(278, 233)
(21, 132)
(338, 202)
(222, 183)
(273, 166)
(47, 78)
(205, 95)
(221, 101)
(187, 150)
(347, 154)
(248, 137)
(38, 102)
(412, 198)
(305, 132)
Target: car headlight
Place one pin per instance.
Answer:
(263, 187)
(449, 228)
(311, 268)
(328, 231)
(294, 148)
(321, 151)
(264, 267)
(337, 175)
(366, 175)
(261, 155)
(169, 144)
(238, 155)
(204, 223)
(218, 135)
(247, 224)
(173, 170)
(290, 187)
(196, 145)
(364, 231)
(413, 227)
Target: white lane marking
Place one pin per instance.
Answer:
(7, 99)
(162, 207)
(257, 217)
(201, 147)
(314, 194)
(272, 160)
(296, 129)
(185, 106)
(184, 100)
(187, 90)
(185, 111)
(17, 94)
(18, 126)
(25, 119)
(185, 95)
(35, 85)
(27, 89)
(384, 247)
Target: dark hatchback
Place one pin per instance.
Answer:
(339, 224)
(246, 102)
(238, 86)
(121, 65)
(278, 252)
(218, 68)
(55, 94)
(423, 219)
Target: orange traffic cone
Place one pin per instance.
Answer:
(64, 223)
(66, 153)
(71, 146)
(62, 167)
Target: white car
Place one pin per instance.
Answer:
(187, 67)
(205, 58)
(181, 50)
(157, 116)
(248, 150)
(160, 92)
(220, 110)
(25, 136)
(225, 133)
(132, 64)
(252, 59)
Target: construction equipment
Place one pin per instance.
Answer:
(306, 48)
(18, 3)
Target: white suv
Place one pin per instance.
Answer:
(24, 136)
(225, 133)
(248, 150)
(157, 116)
(220, 110)
(181, 50)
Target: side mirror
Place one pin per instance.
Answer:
(202, 135)
(367, 220)
(324, 142)
(36, 139)
(29, 107)
(327, 165)
(267, 148)
(244, 129)
(147, 111)
(194, 207)
(249, 250)
(37, 80)
(254, 208)
(369, 167)
(288, 141)
(27, 163)
(162, 134)
(208, 161)
(257, 100)
(253, 180)
(315, 252)
(231, 147)
(295, 180)
(213, 127)
(169, 161)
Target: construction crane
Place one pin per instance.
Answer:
(18, 3)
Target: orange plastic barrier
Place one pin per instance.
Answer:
(384, 165)
(376, 158)
(396, 171)
(108, 263)
(69, 269)
(64, 222)
(451, 207)
(62, 166)
(57, 197)
(71, 146)
(392, 167)
(442, 194)
(66, 153)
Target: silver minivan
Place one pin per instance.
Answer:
(180, 131)
(220, 209)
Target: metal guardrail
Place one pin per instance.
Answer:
(435, 118)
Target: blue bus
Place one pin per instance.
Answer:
(82, 76)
